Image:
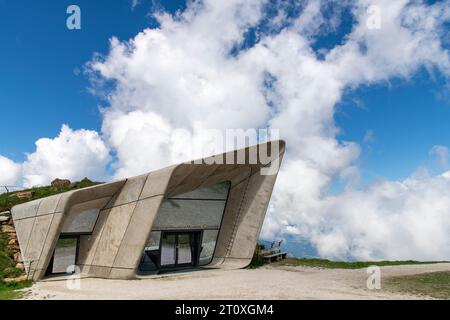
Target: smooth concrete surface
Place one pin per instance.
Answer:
(48, 205)
(112, 234)
(25, 211)
(129, 209)
(157, 181)
(49, 245)
(137, 233)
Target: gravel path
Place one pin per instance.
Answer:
(263, 283)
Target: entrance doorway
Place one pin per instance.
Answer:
(179, 249)
(65, 256)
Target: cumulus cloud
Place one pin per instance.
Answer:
(389, 220)
(73, 154)
(10, 172)
(196, 71)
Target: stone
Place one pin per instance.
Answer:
(20, 266)
(8, 229)
(23, 194)
(12, 242)
(4, 219)
(21, 278)
(60, 183)
(5, 214)
(86, 180)
(17, 257)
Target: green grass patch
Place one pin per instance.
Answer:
(7, 201)
(433, 284)
(9, 290)
(6, 256)
(323, 263)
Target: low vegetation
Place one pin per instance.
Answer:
(7, 264)
(434, 284)
(8, 290)
(323, 263)
(258, 261)
(9, 200)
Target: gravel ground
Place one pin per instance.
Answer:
(263, 283)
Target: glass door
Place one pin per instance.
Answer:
(184, 249)
(168, 249)
(179, 249)
(64, 256)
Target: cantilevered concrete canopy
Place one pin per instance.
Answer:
(112, 222)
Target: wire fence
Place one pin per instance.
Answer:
(9, 189)
(6, 190)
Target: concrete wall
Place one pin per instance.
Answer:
(38, 224)
(114, 248)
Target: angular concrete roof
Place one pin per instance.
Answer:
(129, 207)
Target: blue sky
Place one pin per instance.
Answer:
(407, 119)
(391, 102)
(43, 85)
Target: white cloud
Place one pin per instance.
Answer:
(390, 220)
(73, 154)
(441, 153)
(407, 219)
(173, 82)
(182, 76)
(9, 172)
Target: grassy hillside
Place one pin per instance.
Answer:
(9, 200)
(8, 290)
(7, 264)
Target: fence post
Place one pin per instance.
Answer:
(7, 197)
(9, 189)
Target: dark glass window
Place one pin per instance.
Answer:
(186, 229)
(65, 255)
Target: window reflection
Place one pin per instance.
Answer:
(149, 259)
(65, 255)
(185, 230)
(207, 247)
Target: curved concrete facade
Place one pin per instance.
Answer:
(128, 208)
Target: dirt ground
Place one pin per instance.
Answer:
(263, 283)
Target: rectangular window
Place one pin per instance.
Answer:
(168, 249)
(178, 214)
(81, 222)
(65, 255)
(208, 245)
(186, 229)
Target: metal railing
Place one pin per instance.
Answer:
(275, 247)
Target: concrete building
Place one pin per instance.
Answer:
(201, 214)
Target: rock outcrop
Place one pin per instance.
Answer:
(7, 227)
(23, 195)
(60, 183)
